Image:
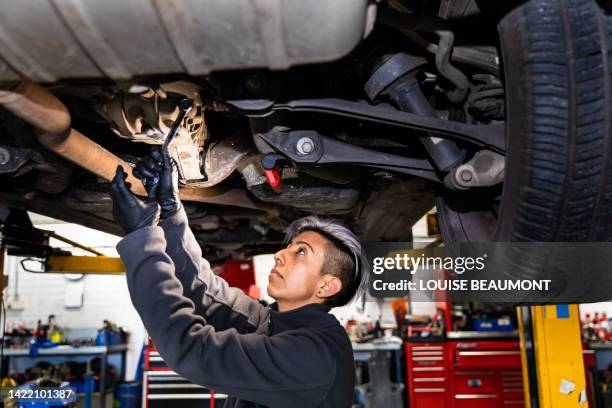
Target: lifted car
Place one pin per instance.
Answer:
(373, 112)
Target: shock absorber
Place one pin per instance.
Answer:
(395, 78)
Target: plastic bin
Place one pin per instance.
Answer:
(483, 325)
(129, 395)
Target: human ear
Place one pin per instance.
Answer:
(329, 286)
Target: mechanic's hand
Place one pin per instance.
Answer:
(130, 212)
(148, 170)
(159, 175)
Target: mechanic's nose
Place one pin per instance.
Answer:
(279, 257)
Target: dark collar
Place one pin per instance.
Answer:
(310, 315)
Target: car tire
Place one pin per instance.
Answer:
(557, 60)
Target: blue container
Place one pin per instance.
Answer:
(129, 395)
(102, 338)
(483, 325)
(81, 386)
(106, 338)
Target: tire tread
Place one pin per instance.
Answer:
(566, 188)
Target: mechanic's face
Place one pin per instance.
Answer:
(296, 276)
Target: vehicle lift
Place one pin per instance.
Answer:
(20, 238)
(551, 355)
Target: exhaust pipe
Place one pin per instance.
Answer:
(51, 119)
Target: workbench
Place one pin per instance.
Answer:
(482, 335)
(602, 360)
(380, 386)
(368, 347)
(603, 354)
(68, 351)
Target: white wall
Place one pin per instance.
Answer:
(104, 296)
(592, 308)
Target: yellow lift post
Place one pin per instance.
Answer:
(551, 353)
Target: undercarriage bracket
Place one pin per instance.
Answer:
(325, 150)
(491, 137)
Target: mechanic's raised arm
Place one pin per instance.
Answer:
(266, 370)
(223, 307)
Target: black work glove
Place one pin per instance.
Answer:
(130, 212)
(159, 175)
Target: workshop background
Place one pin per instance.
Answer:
(81, 304)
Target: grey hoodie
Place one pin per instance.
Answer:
(218, 337)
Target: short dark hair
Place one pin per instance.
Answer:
(345, 258)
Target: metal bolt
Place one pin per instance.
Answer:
(138, 89)
(254, 82)
(148, 130)
(466, 175)
(305, 146)
(5, 156)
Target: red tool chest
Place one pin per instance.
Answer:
(485, 374)
(428, 374)
(467, 374)
(163, 387)
(458, 374)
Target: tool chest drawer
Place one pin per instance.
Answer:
(494, 354)
(488, 358)
(426, 358)
(430, 382)
(476, 382)
(513, 394)
(476, 401)
(485, 374)
(153, 361)
(168, 389)
(164, 388)
(426, 372)
(425, 355)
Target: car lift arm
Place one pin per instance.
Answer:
(99, 265)
(21, 238)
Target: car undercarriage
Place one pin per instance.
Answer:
(364, 111)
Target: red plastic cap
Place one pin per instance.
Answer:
(274, 180)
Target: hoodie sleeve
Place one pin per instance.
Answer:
(295, 368)
(221, 305)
